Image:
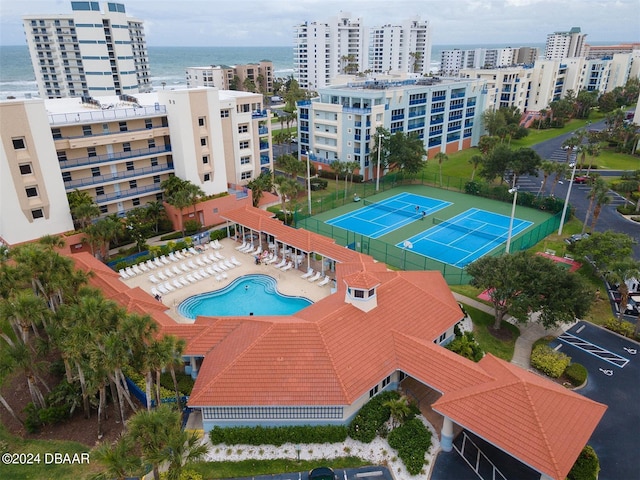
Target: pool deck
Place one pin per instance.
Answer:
(289, 282)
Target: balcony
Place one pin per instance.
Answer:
(415, 126)
(259, 114)
(438, 98)
(112, 177)
(132, 192)
(419, 101)
(103, 116)
(357, 111)
(264, 145)
(455, 117)
(110, 157)
(419, 113)
(304, 128)
(436, 122)
(435, 132)
(395, 118)
(457, 95)
(304, 116)
(263, 131)
(264, 160)
(437, 110)
(471, 102)
(359, 124)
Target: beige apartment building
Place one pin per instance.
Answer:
(120, 149)
(234, 77)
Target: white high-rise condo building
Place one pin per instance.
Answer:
(96, 50)
(405, 48)
(326, 50)
(565, 44)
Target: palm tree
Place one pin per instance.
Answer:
(287, 188)
(338, 168)
(476, 160)
(349, 167)
(561, 170)
(184, 448)
(594, 151)
(597, 186)
(602, 198)
(618, 274)
(399, 409)
(569, 145)
(543, 115)
(441, 157)
(85, 213)
(547, 167)
(155, 211)
(152, 431)
(118, 459)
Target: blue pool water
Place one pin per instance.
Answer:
(248, 294)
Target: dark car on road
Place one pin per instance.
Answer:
(582, 179)
(322, 473)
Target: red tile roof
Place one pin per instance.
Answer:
(362, 280)
(537, 421)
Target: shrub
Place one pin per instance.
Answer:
(191, 226)
(548, 361)
(32, 423)
(171, 236)
(185, 382)
(622, 327)
(184, 475)
(219, 234)
(278, 435)
(364, 427)
(411, 440)
(466, 346)
(576, 373)
(586, 467)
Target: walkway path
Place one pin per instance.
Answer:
(529, 333)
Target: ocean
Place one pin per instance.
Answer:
(167, 64)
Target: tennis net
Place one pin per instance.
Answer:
(409, 213)
(463, 229)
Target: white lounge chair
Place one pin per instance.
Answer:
(153, 279)
(143, 267)
(191, 265)
(315, 277)
(324, 281)
(184, 267)
(199, 262)
(158, 262)
(228, 264)
(172, 257)
(155, 292)
(197, 276)
(217, 245)
(211, 271)
(162, 276)
(222, 266)
(130, 272)
(151, 265)
(193, 251)
(190, 278)
(282, 263)
(176, 270)
(248, 248)
(123, 274)
(165, 260)
(218, 278)
(273, 259)
(168, 272)
(177, 284)
(308, 274)
(235, 261)
(136, 270)
(288, 266)
(162, 289)
(240, 247)
(216, 268)
(203, 273)
(169, 287)
(206, 259)
(183, 281)
(219, 256)
(178, 255)
(224, 275)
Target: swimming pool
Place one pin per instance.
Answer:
(246, 295)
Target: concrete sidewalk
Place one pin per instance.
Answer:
(529, 333)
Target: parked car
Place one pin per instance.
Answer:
(576, 238)
(322, 473)
(581, 179)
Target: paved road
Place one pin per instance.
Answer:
(364, 473)
(609, 219)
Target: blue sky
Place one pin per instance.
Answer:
(270, 22)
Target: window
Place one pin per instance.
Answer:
(86, 130)
(373, 391)
(246, 175)
(151, 143)
(126, 147)
(129, 166)
(99, 191)
(31, 192)
(66, 176)
(372, 292)
(386, 381)
(358, 293)
(243, 128)
(442, 337)
(18, 143)
(95, 171)
(148, 123)
(201, 122)
(207, 177)
(205, 159)
(133, 184)
(156, 179)
(203, 141)
(224, 113)
(154, 162)
(56, 133)
(104, 209)
(245, 160)
(25, 169)
(244, 144)
(159, 197)
(37, 213)
(136, 202)
(91, 152)
(123, 126)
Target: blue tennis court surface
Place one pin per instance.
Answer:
(380, 218)
(465, 237)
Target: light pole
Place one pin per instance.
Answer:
(406, 244)
(378, 169)
(514, 192)
(566, 200)
(309, 182)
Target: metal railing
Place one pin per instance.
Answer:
(112, 177)
(110, 157)
(106, 114)
(131, 192)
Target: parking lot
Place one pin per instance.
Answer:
(364, 473)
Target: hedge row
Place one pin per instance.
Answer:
(364, 427)
(411, 440)
(548, 361)
(622, 327)
(525, 199)
(587, 465)
(278, 435)
(185, 382)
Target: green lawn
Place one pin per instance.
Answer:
(250, 468)
(482, 321)
(537, 136)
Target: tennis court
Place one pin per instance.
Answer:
(377, 219)
(465, 237)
